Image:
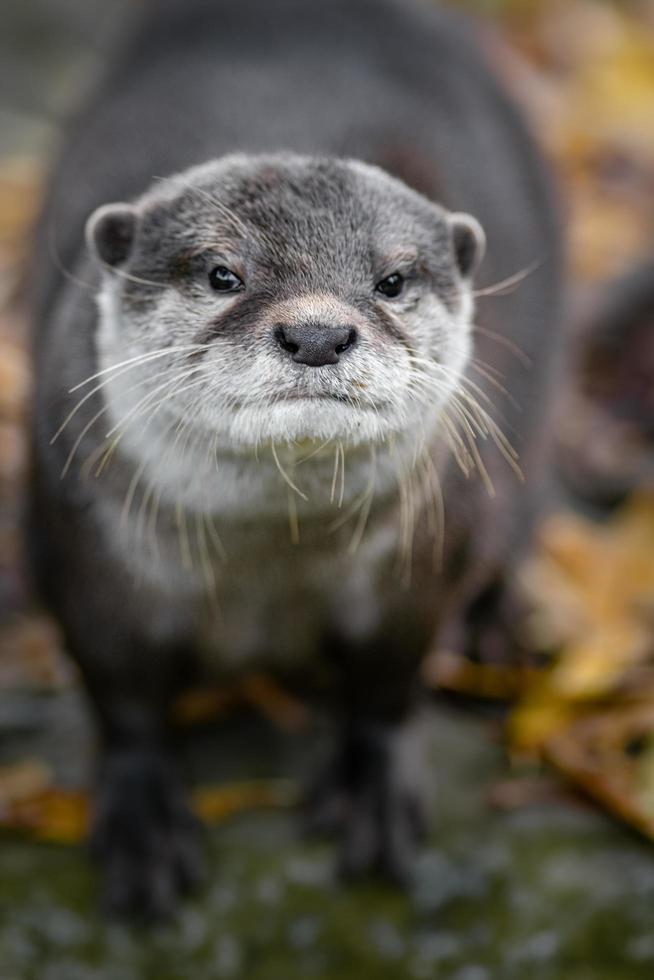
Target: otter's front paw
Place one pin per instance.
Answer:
(374, 799)
(144, 835)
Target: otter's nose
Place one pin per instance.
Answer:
(314, 344)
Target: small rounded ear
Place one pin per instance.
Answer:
(110, 233)
(468, 241)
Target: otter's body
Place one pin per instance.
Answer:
(318, 522)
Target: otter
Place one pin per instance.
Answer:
(282, 413)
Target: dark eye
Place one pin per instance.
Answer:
(224, 280)
(391, 286)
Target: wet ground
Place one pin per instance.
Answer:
(553, 892)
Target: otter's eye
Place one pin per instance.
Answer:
(391, 286)
(224, 280)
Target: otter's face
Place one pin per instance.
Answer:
(285, 299)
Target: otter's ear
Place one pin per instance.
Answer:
(468, 241)
(110, 233)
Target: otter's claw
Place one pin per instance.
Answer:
(374, 804)
(145, 837)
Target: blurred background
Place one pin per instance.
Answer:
(541, 856)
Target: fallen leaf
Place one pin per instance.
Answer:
(204, 704)
(595, 753)
(64, 817)
(23, 781)
(447, 670)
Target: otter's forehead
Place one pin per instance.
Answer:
(347, 196)
(300, 211)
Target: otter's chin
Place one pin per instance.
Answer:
(310, 422)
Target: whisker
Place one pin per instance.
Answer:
(284, 474)
(438, 511)
(504, 342)
(53, 252)
(99, 387)
(366, 505)
(341, 495)
(184, 542)
(293, 522)
(335, 474)
(208, 573)
(189, 372)
(126, 422)
(129, 496)
(505, 285)
(215, 538)
(313, 453)
(144, 358)
(123, 274)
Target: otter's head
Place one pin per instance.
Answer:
(281, 299)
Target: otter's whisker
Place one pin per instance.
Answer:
(122, 274)
(472, 447)
(131, 490)
(293, 522)
(97, 388)
(140, 517)
(215, 538)
(53, 251)
(135, 408)
(335, 474)
(143, 358)
(126, 422)
(504, 342)
(208, 573)
(505, 285)
(284, 475)
(341, 495)
(183, 538)
(366, 505)
(152, 522)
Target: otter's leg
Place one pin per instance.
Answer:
(128, 643)
(375, 793)
(491, 625)
(144, 835)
